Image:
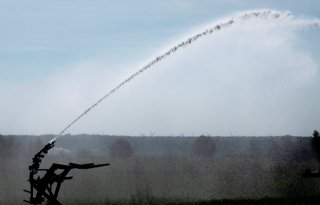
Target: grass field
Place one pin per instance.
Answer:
(165, 171)
(312, 200)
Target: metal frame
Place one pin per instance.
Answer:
(47, 187)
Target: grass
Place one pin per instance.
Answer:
(312, 200)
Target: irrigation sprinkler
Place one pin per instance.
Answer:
(46, 187)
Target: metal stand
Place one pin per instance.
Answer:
(48, 186)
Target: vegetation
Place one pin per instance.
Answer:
(120, 149)
(154, 201)
(203, 146)
(168, 170)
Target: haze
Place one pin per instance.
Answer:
(254, 79)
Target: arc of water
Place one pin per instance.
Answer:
(264, 14)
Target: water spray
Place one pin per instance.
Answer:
(259, 14)
(41, 187)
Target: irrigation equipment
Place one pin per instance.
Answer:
(46, 187)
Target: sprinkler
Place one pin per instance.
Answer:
(46, 187)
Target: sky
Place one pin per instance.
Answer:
(57, 58)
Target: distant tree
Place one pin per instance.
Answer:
(120, 149)
(315, 142)
(203, 146)
(6, 147)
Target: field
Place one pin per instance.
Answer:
(153, 201)
(169, 170)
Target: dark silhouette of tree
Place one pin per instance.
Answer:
(315, 142)
(120, 149)
(203, 146)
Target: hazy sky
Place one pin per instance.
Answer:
(58, 57)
